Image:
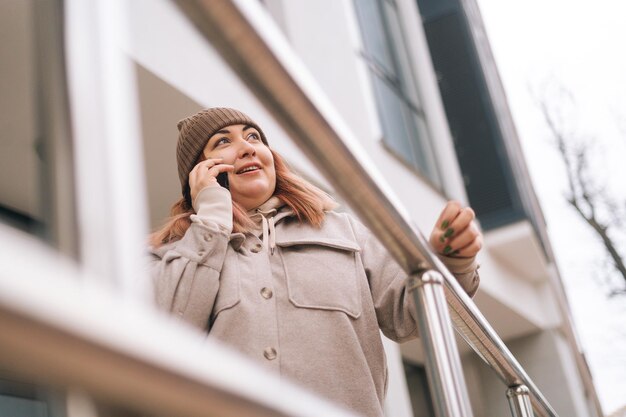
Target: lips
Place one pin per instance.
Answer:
(248, 168)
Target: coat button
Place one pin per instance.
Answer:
(266, 293)
(270, 353)
(257, 248)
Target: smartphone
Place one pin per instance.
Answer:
(222, 179)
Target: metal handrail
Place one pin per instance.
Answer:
(251, 44)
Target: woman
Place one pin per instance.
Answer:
(267, 267)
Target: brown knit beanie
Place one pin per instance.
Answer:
(194, 133)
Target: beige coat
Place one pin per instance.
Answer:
(310, 311)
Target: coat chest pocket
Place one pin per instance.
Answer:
(229, 294)
(323, 274)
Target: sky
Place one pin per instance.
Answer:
(543, 47)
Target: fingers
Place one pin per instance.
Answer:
(466, 243)
(449, 213)
(210, 167)
(203, 167)
(463, 219)
(204, 174)
(215, 170)
(470, 250)
(456, 233)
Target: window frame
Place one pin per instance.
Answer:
(403, 83)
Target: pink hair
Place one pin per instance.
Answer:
(307, 201)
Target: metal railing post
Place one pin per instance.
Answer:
(519, 401)
(443, 364)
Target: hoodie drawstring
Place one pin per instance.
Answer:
(269, 234)
(268, 231)
(265, 231)
(263, 218)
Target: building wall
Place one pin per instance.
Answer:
(324, 34)
(178, 73)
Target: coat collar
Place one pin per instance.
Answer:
(273, 208)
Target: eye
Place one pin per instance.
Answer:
(253, 136)
(221, 141)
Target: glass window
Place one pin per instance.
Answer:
(402, 118)
(419, 392)
(35, 156)
(22, 399)
(16, 406)
(20, 202)
(374, 36)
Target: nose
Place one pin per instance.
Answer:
(245, 149)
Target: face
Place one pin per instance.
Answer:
(254, 178)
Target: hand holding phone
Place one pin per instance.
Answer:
(206, 173)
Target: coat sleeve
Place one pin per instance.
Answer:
(394, 306)
(185, 274)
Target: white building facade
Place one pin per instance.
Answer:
(131, 70)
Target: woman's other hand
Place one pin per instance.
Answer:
(205, 173)
(456, 233)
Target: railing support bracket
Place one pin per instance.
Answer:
(519, 401)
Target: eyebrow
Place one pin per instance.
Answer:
(223, 131)
(226, 131)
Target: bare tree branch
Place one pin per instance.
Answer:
(587, 199)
